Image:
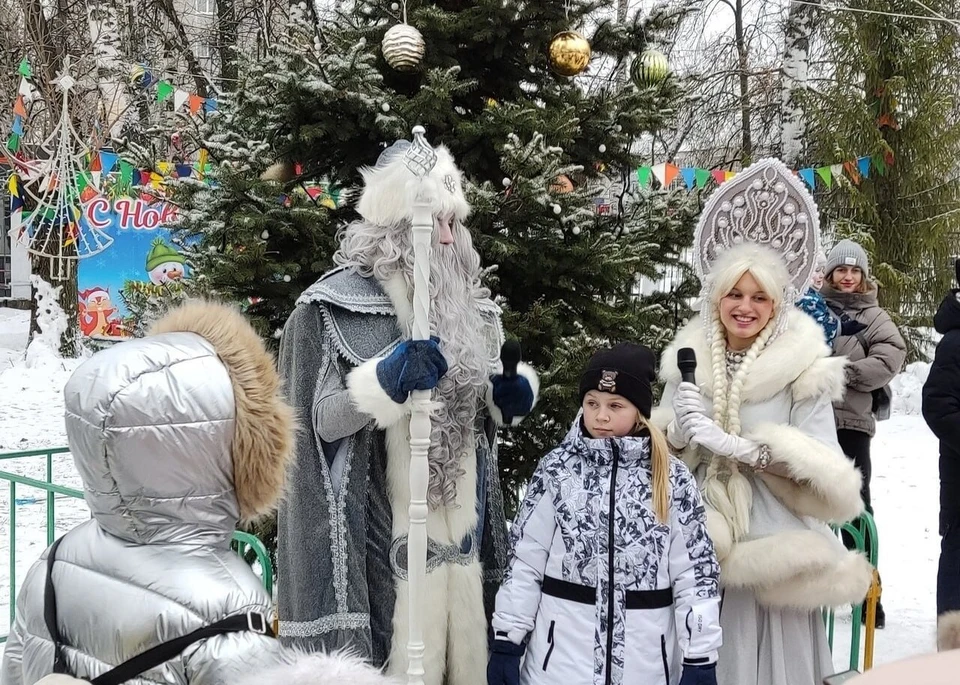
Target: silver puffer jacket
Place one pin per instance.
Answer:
(178, 437)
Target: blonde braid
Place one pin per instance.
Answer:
(733, 499)
(740, 377)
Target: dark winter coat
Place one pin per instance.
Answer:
(941, 407)
(869, 369)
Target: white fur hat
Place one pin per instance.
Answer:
(388, 195)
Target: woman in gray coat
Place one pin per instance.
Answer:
(178, 437)
(876, 354)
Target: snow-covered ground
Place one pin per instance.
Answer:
(905, 491)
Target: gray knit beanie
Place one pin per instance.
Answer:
(847, 253)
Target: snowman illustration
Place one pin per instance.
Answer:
(164, 264)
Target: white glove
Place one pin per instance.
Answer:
(704, 432)
(687, 400)
(675, 436)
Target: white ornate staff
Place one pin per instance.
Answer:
(420, 160)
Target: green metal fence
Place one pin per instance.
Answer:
(242, 543)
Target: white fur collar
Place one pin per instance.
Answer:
(396, 289)
(798, 349)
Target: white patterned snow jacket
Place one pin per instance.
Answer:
(567, 553)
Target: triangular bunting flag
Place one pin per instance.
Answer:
(17, 125)
(671, 174)
(851, 169)
(156, 180)
(196, 102)
(24, 69)
(94, 162)
(183, 170)
(95, 177)
(643, 176)
(863, 166)
(164, 90)
(719, 175)
(108, 160)
(202, 162)
(13, 142)
(836, 170)
(164, 168)
(727, 175)
(210, 105)
(689, 176)
(703, 175)
(83, 180)
(807, 175)
(126, 174)
(827, 176)
(180, 97)
(26, 90)
(660, 172)
(18, 108)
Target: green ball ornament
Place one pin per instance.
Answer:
(650, 69)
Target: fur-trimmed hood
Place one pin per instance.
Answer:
(180, 435)
(317, 668)
(798, 356)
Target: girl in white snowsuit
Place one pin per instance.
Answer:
(612, 578)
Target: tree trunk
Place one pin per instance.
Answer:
(102, 18)
(796, 59)
(227, 41)
(68, 299)
(743, 65)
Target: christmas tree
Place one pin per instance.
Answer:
(550, 161)
(891, 99)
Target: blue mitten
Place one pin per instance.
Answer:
(705, 674)
(414, 365)
(504, 665)
(512, 395)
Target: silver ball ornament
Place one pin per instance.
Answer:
(385, 106)
(265, 235)
(506, 182)
(602, 148)
(557, 209)
(403, 47)
(286, 278)
(576, 230)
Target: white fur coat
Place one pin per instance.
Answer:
(789, 558)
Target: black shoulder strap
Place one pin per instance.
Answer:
(50, 610)
(254, 622)
(862, 339)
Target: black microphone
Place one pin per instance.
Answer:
(510, 357)
(687, 363)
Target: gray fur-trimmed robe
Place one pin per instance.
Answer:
(338, 561)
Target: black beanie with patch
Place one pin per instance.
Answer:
(626, 369)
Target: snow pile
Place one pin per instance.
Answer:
(52, 321)
(908, 387)
(31, 385)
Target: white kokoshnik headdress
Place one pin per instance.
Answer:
(764, 204)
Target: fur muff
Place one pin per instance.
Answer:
(263, 440)
(948, 631)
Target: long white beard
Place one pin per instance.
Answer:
(455, 319)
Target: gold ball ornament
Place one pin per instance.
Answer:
(569, 53)
(650, 69)
(403, 47)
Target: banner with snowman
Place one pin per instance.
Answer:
(141, 259)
